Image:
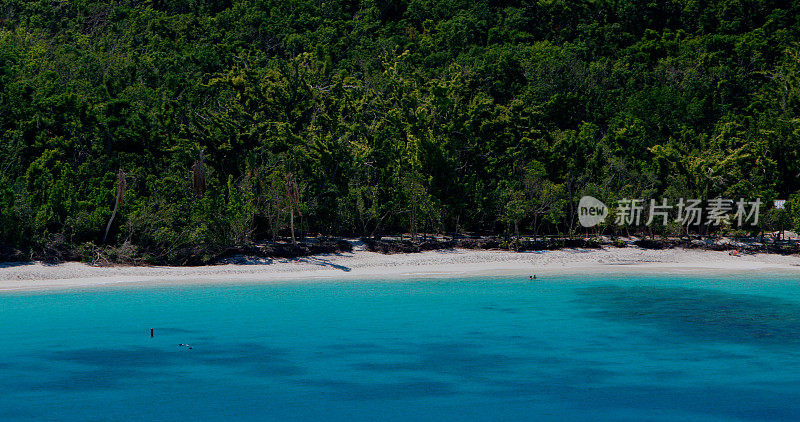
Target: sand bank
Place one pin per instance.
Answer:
(361, 264)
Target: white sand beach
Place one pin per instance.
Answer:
(361, 264)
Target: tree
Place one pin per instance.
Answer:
(121, 186)
(292, 201)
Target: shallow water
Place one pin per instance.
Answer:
(568, 348)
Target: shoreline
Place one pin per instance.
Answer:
(363, 265)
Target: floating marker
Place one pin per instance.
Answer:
(151, 332)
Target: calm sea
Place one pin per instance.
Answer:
(560, 348)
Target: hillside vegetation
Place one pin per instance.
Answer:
(150, 127)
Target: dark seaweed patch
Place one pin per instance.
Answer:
(700, 314)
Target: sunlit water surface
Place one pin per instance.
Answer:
(559, 348)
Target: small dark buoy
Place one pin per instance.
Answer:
(151, 332)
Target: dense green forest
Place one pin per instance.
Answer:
(155, 125)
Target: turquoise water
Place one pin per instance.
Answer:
(561, 349)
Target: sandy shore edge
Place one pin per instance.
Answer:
(363, 265)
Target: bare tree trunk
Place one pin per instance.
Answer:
(121, 185)
(111, 220)
(199, 176)
(291, 225)
(413, 224)
(293, 196)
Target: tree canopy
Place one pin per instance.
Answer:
(162, 124)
